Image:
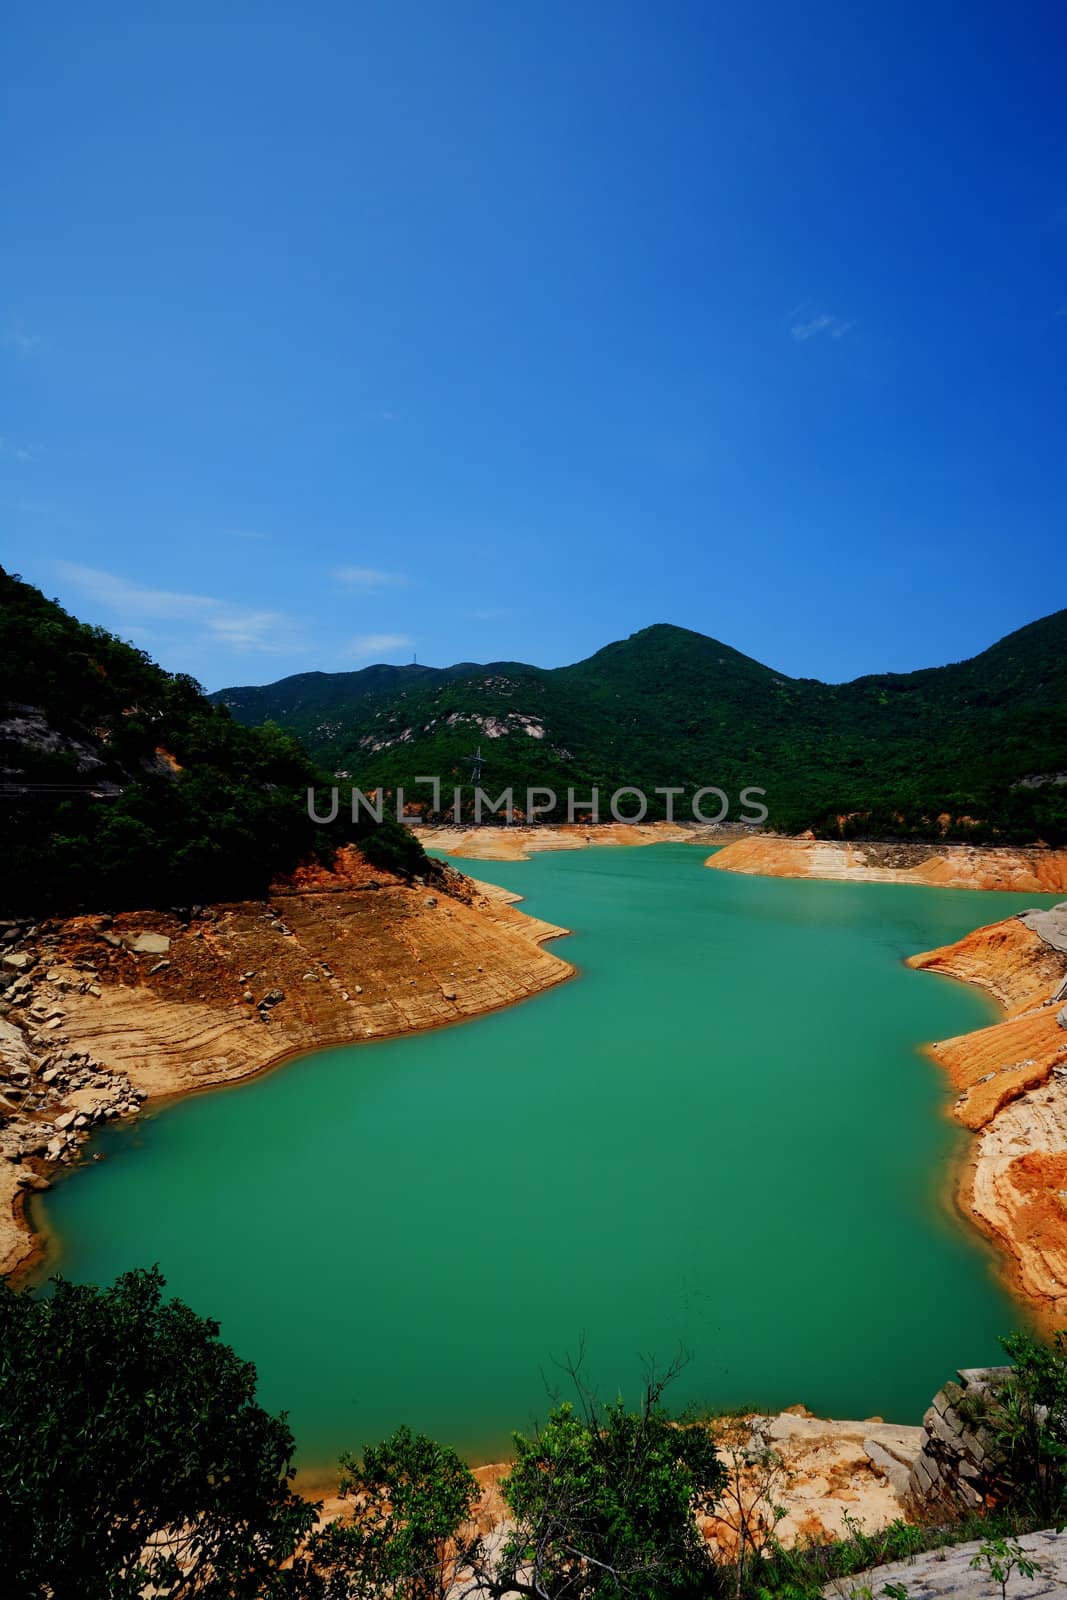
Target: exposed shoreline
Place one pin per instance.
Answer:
(182, 1024)
(1012, 1083)
(1029, 869)
(100, 1031)
(516, 842)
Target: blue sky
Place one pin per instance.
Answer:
(336, 333)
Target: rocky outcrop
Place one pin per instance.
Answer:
(822, 1472)
(101, 1015)
(1029, 869)
(1011, 1080)
(957, 1466)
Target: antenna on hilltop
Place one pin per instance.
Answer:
(477, 762)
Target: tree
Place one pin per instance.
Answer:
(133, 1452)
(1002, 1557)
(605, 1500)
(411, 1536)
(1029, 1418)
(755, 1478)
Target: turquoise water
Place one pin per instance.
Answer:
(721, 1137)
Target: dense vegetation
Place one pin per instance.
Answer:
(133, 1454)
(123, 785)
(124, 1417)
(979, 744)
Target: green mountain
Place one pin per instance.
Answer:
(982, 743)
(122, 785)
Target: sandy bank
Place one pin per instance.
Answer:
(330, 958)
(519, 843)
(1012, 1083)
(1029, 869)
(829, 1470)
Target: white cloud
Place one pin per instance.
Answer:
(132, 605)
(18, 338)
(379, 644)
(367, 577)
(247, 533)
(822, 322)
(13, 451)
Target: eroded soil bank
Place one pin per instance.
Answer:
(1029, 869)
(518, 843)
(1012, 1082)
(103, 1016)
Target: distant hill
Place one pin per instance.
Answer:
(975, 750)
(122, 785)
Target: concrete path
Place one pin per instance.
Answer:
(948, 1573)
(1050, 925)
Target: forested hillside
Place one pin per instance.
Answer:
(122, 785)
(974, 750)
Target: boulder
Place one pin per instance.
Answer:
(32, 1180)
(149, 944)
(18, 960)
(897, 1474)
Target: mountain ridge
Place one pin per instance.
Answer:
(940, 751)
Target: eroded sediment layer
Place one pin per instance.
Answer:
(1029, 869)
(518, 843)
(1012, 1083)
(103, 1015)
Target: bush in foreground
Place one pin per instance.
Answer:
(133, 1452)
(134, 1458)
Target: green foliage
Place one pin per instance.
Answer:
(154, 795)
(407, 1538)
(1002, 1557)
(883, 757)
(124, 1419)
(604, 1500)
(133, 1455)
(395, 849)
(1029, 1419)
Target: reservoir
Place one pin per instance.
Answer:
(721, 1137)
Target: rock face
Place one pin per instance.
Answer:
(1011, 1080)
(1030, 870)
(829, 1471)
(150, 944)
(953, 1471)
(93, 1024)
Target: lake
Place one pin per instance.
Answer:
(721, 1137)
